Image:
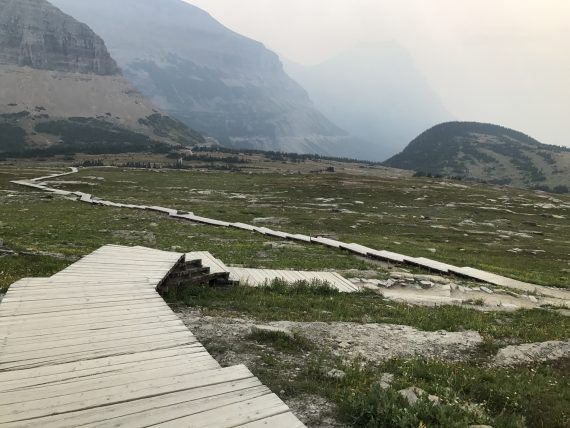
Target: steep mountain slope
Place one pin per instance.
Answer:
(211, 78)
(486, 152)
(60, 87)
(375, 92)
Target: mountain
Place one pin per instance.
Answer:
(375, 92)
(211, 78)
(487, 152)
(60, 89)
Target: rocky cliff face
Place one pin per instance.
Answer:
(60, 86)
(36, 34)
(211, 78)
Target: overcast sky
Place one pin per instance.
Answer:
(500, 61)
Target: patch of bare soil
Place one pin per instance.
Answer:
(371, 342)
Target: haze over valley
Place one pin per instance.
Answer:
(284, 214)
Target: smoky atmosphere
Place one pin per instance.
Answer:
(285, 214)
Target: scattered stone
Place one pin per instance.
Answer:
(433, 278)
(487, 290)
(270, 220)
(413, 394)
(270, 329)
(336, 374)
(532, 299)
(401, 275)
(509, 305)
(512, 294)
(432, 250)
(386, 381)
(480, 426)
(427, 284)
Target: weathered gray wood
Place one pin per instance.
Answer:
(96, 346)
(134, 408)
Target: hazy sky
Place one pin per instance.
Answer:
(501, 61)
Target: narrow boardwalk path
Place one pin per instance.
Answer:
(96, 346)
(261, 277)
(432, 265)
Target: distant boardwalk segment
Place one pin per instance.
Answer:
(357, 249)
(96, 346)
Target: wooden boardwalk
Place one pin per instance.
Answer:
(96, 346)
(260, 277)
(388, 256)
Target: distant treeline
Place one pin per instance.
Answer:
(207, 158)
(283, 156)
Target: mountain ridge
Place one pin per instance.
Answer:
(221, 83)
(486, 152)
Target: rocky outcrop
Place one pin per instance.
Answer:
(61, 92)
(35, 34)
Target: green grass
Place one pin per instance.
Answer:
(398, 214)
(309, 304)
(519, 397)
(470, 393)
(407, 215)
(13, 268)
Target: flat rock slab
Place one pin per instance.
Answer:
(532, 352)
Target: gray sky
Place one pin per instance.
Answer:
(500, 61)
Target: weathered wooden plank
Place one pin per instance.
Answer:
(185, 413)
(43, 334)
(51, 344)
(86, 353)
(88, 364)
(232, 415)
(71, 402)
(284, 420)
(87, 315)
(106, 306)
(93, 379)
(129, 411)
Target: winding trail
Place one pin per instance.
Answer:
(388, 256)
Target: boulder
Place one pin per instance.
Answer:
(386, 381)
(336, 374)
(413, 394)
